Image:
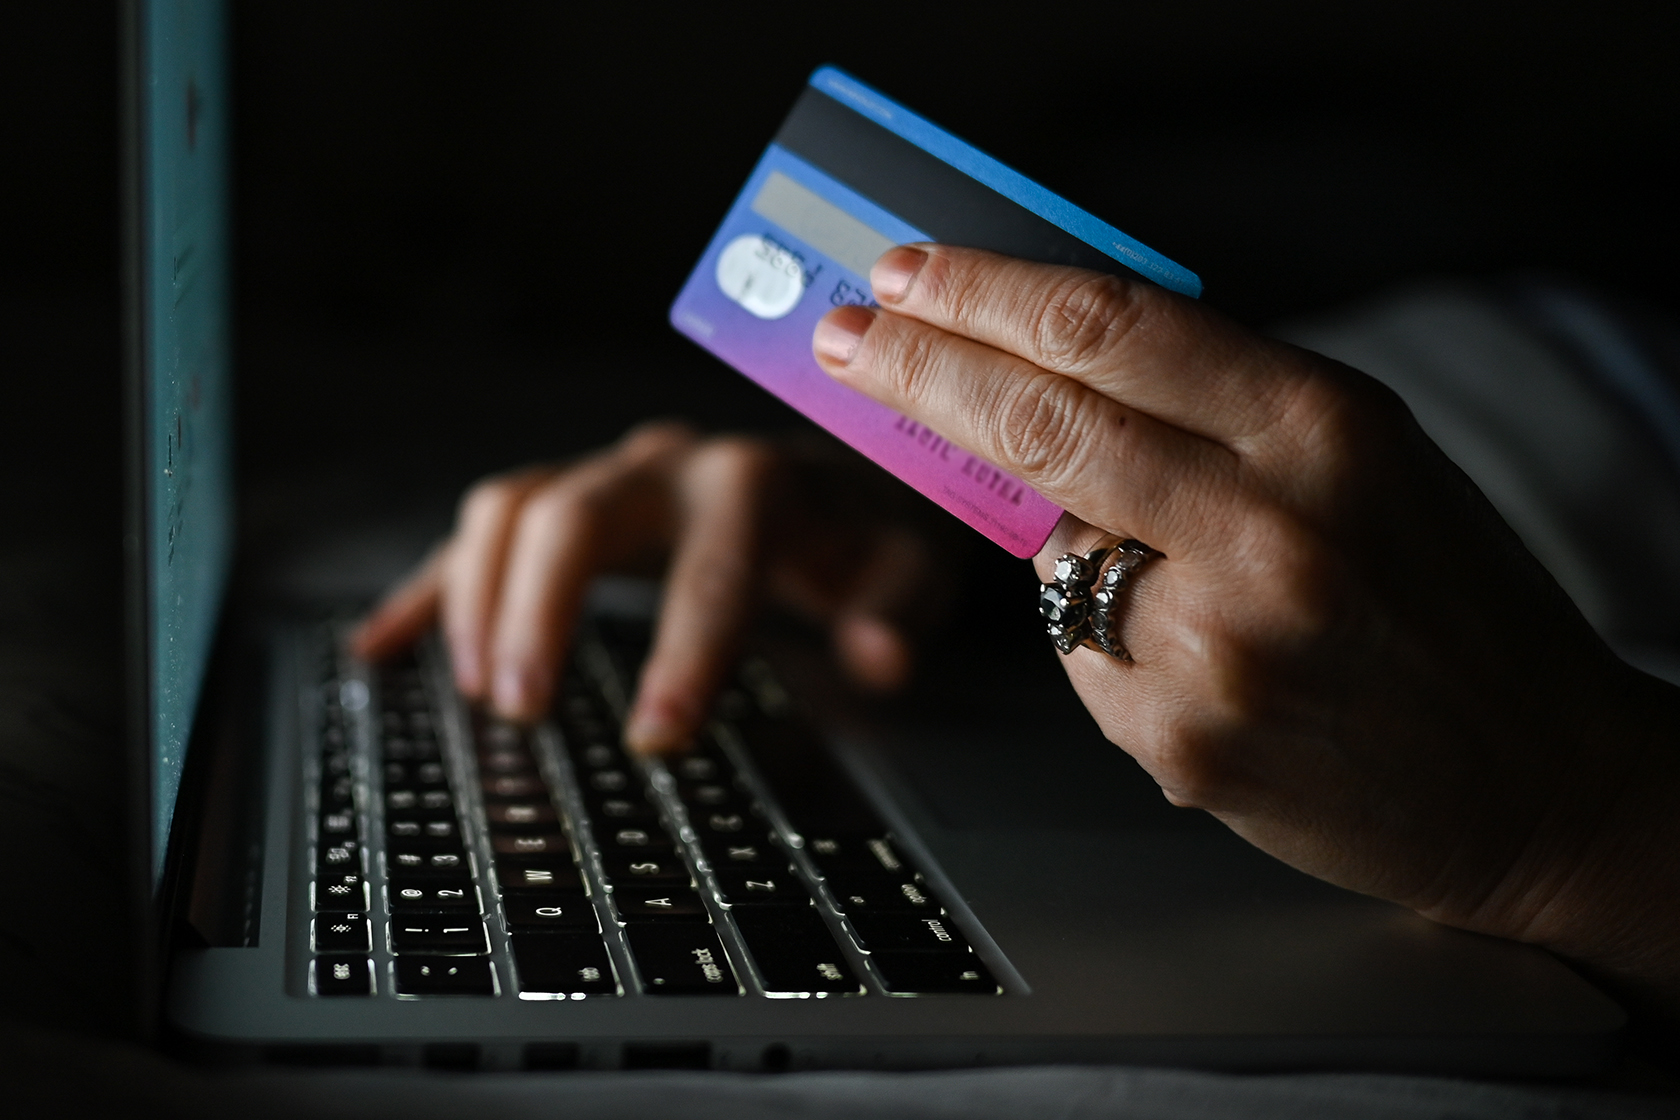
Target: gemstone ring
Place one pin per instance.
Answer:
(1080, 603)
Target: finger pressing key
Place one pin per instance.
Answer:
(709, 595)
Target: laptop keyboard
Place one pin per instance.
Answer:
(477, 858)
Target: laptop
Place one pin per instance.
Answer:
(340, 862)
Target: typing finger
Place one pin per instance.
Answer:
(472, 578)
(710, 593)
(597, 513)
(406, 612)
(894, 592)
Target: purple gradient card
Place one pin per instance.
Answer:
(850, 175)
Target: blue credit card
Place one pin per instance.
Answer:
(849, 175)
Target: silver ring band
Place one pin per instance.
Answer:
(1080, 604)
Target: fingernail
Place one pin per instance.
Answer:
(893, 273)
(839, 332)
(509, 692)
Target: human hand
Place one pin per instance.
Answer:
(1344, 653)
(509, 583)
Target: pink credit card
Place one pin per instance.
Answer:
(849, 175)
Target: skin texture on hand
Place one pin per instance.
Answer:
(1344, 654)
(736, 524)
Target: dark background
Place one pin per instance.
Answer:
(458, 228)
(457, 231)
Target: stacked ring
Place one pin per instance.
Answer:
(1080, 603)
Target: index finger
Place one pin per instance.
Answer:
(406, 612)
(1144, 346)
(709, 594)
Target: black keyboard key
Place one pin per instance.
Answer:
(586, 732)
(445, 976)
(725, 824)
(430, 774)
(562, 910)
(755, 852)
(610, 781)
(743, 887)
(341, 976)
(547, 843)
(521, 817)
(419, 749)
(795, 953)
(563, 964)
(681, 958)
(337, 825)
(338, 795)
(458, 936)
(556, 873)
(855, 892)
(336, 858)
(906, 931)
(633, 840)
(618, 811)
(646, 867)
(496, 735)
(341, 933)
(507, 764)
(419, 804)
(408, 828)
(512, 787)
(340, 892)
(432, 892)
(701, 766)
(710, 797)
(414, 858)
(659, 904)
(600, 756)
(860, 854)
(914, 973)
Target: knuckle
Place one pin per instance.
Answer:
(725, 483)
(488, 498)
(656, 436)
(1046, 425)
(1083, 319)
(735, 458)
(1343, 426)
(1233, 679)
(564, 505)
(912, 362)
(1190, 767)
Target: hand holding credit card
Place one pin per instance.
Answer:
(849, 175)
